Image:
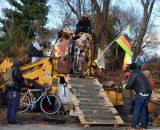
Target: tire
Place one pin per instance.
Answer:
(24, 103)
(50, 104)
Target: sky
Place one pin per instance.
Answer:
(54, 17)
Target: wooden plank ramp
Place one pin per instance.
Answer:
(91, 102)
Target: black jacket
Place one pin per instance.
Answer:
(17, 77)
(83, 26)
(139, 82)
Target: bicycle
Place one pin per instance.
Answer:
(49, 104)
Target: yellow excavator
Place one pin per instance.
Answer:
(62, 62)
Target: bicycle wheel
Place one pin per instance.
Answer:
(24, 103)
(50, 104)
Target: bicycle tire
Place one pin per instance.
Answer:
(24, 103)
(50, 104)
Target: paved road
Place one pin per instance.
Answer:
(37, 127)
(54, 127)
(59, 127)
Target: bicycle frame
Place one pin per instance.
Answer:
(32, 103)
(46, 101)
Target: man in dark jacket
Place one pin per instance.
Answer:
(13, 94)
(83, 25)
(141, 85)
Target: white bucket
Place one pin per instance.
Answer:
(63, 94)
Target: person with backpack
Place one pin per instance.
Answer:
(36, 49)
(13, 92)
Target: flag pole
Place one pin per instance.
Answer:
(109, 45)
(112, 43)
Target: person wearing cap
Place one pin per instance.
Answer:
(138, 82)
(37, 49)
(13, 92)
(141, 59)
(83, 25)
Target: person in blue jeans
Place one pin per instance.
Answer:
(13, 98)
(138, 82)
(13, 92)
(141, 59)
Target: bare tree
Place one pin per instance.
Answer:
(147, 10)
(98, 11)
(104, 18)
(101, 20)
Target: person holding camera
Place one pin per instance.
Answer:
(37, 49)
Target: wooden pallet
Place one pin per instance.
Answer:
(91, 102)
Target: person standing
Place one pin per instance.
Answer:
(138, 82)
(141, 59)
(13, 92)
(84, 25)
(37, 49)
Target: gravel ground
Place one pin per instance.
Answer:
(39, 121)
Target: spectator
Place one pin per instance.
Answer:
(37, 49)
(141, 85)
(83, 25)
(13, 93)
(141, 59)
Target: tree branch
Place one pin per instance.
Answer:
(72, 9)
(143, 3)
(151, 7)
(106, 9)
(79, 6)
(95, 4)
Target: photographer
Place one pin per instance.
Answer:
(37, 49)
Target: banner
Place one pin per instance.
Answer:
(101, 60)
